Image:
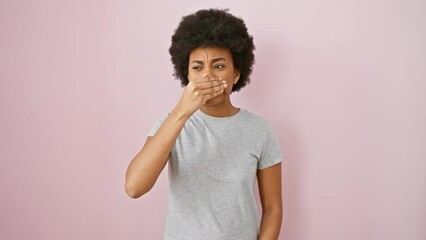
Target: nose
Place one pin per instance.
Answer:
(209, 72)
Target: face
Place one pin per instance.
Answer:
(215, 63)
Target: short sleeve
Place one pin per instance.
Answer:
(157, 124)
(271, 153)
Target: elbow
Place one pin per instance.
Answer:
(134, 191)
(275, 209)
(273, 205)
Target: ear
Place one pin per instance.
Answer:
(236, 76)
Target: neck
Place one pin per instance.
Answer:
(221, 110)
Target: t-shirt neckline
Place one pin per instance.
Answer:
(204, 115)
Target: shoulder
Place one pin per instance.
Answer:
(256, 123)
(255, 119)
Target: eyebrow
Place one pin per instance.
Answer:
(213, 61)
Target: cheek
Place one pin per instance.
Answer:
(230, 85)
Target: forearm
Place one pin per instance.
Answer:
(147, 165)
(271, 224)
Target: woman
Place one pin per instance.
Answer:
(215, 150)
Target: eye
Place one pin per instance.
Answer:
(219, 66)
(197, 68)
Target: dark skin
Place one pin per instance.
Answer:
(269, 181)
(211, 75)
(214, 63)
(217, 63)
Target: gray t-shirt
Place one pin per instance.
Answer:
(212, 173)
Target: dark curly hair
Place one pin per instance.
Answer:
(213, 28)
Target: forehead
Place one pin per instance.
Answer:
(209, 53)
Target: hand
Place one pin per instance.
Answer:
(198, 92)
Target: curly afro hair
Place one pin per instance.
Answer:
(213, 28)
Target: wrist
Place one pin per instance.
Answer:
(179, 114)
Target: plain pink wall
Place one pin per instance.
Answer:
(342, 82)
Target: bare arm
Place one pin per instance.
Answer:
(146, 166)
(269, 181)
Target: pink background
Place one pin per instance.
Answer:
(342, 82)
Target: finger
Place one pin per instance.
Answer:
(212, 95)
(213, 89)
(211, 84)
(205, 79)
(201, 79)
